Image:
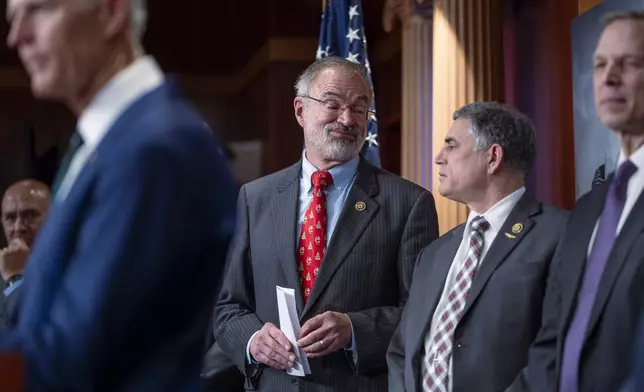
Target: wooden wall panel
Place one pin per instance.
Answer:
(585, 5)
(538, 79)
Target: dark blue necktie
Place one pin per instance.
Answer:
(75, 142)
(595, 265)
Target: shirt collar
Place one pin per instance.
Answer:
(637, 157)
(498, 213)
(342, 174)
(139, 78)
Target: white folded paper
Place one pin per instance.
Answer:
(290, 325)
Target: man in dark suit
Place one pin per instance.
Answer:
(142, 217)
(25, 206)
(636, 380)
(594, 300)
(474, 305)
(340, 232)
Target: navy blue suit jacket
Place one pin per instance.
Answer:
(123, 276)
(636, 382)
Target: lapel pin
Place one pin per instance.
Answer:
(360, 206)
(517, 228)
(512, 236)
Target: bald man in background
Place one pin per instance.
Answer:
(25, 205)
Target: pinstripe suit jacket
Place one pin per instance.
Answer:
(365, 273)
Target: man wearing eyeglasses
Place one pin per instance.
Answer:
(340, 232)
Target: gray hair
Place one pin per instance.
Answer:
(634, 15)
(303, 82)
(138, 19)
(495, 123)
(139, 15)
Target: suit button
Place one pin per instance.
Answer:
(294, 381)
(458, 345)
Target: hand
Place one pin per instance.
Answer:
(13, 259)
(324, 334)
(272, 348)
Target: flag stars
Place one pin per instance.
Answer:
(322, 52)
(372, 139)
(353, 57)
(353, 35)
(353, 11)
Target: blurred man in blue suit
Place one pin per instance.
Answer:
(636, 380)
(121, 281)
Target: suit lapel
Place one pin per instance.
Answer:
(285, 217)
(352, 223)
(576, 248)
(632, 228)
(503, 244)
(431, 293)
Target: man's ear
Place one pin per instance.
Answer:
(298, 106)
(117, 15)
(495, 158)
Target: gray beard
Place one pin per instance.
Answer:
(335, 148)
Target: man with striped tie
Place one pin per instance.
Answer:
(475, 301)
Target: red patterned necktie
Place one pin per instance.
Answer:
(437, 358)
(313, 234)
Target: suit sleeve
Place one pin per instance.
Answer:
(540, 374)
(396, 351)
(236, 320)
(130, 250)
(374, 327)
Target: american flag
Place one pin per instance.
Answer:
(342, 35)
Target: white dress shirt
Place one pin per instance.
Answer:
(495, 216)
(336, 195)
(635, 186)
(130, 84)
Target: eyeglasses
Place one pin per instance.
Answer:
(333, 106)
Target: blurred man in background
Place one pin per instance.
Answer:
(25, 206)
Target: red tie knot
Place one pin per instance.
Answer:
(321, 179)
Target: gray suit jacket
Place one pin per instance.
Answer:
(606, 356)
(503, 312)
(365, 273)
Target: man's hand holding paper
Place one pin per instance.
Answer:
(271, 347)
